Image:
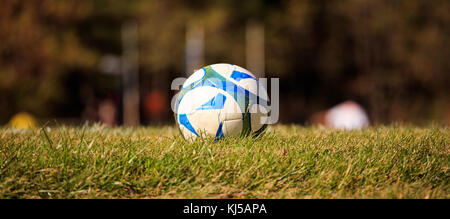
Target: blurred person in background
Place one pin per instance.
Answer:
(347, 115)
(107, 112)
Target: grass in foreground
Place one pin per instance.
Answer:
(286, 162)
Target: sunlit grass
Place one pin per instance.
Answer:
(286, 162)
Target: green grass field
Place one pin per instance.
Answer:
(286, 162)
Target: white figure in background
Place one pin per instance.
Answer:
(347, 115)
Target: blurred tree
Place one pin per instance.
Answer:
(400, 51)
(390, 56)
(39, 44)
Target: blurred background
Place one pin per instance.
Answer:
(74, 61)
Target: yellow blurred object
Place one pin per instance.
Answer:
(23, 120)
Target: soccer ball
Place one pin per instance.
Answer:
(221, 100)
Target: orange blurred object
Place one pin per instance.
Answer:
(155, 104)
(23, 120)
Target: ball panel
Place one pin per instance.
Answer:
(205, 122)
(217, 102)
(239, 75)
(223, 69)
(255, 87)
(195, 77)
(191, 101)
(232, 127)
(186, 127)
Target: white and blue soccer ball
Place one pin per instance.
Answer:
(221, 100)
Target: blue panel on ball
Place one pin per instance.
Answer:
(238, 75)
(182, 118)
(216, 102)
(219, 133)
